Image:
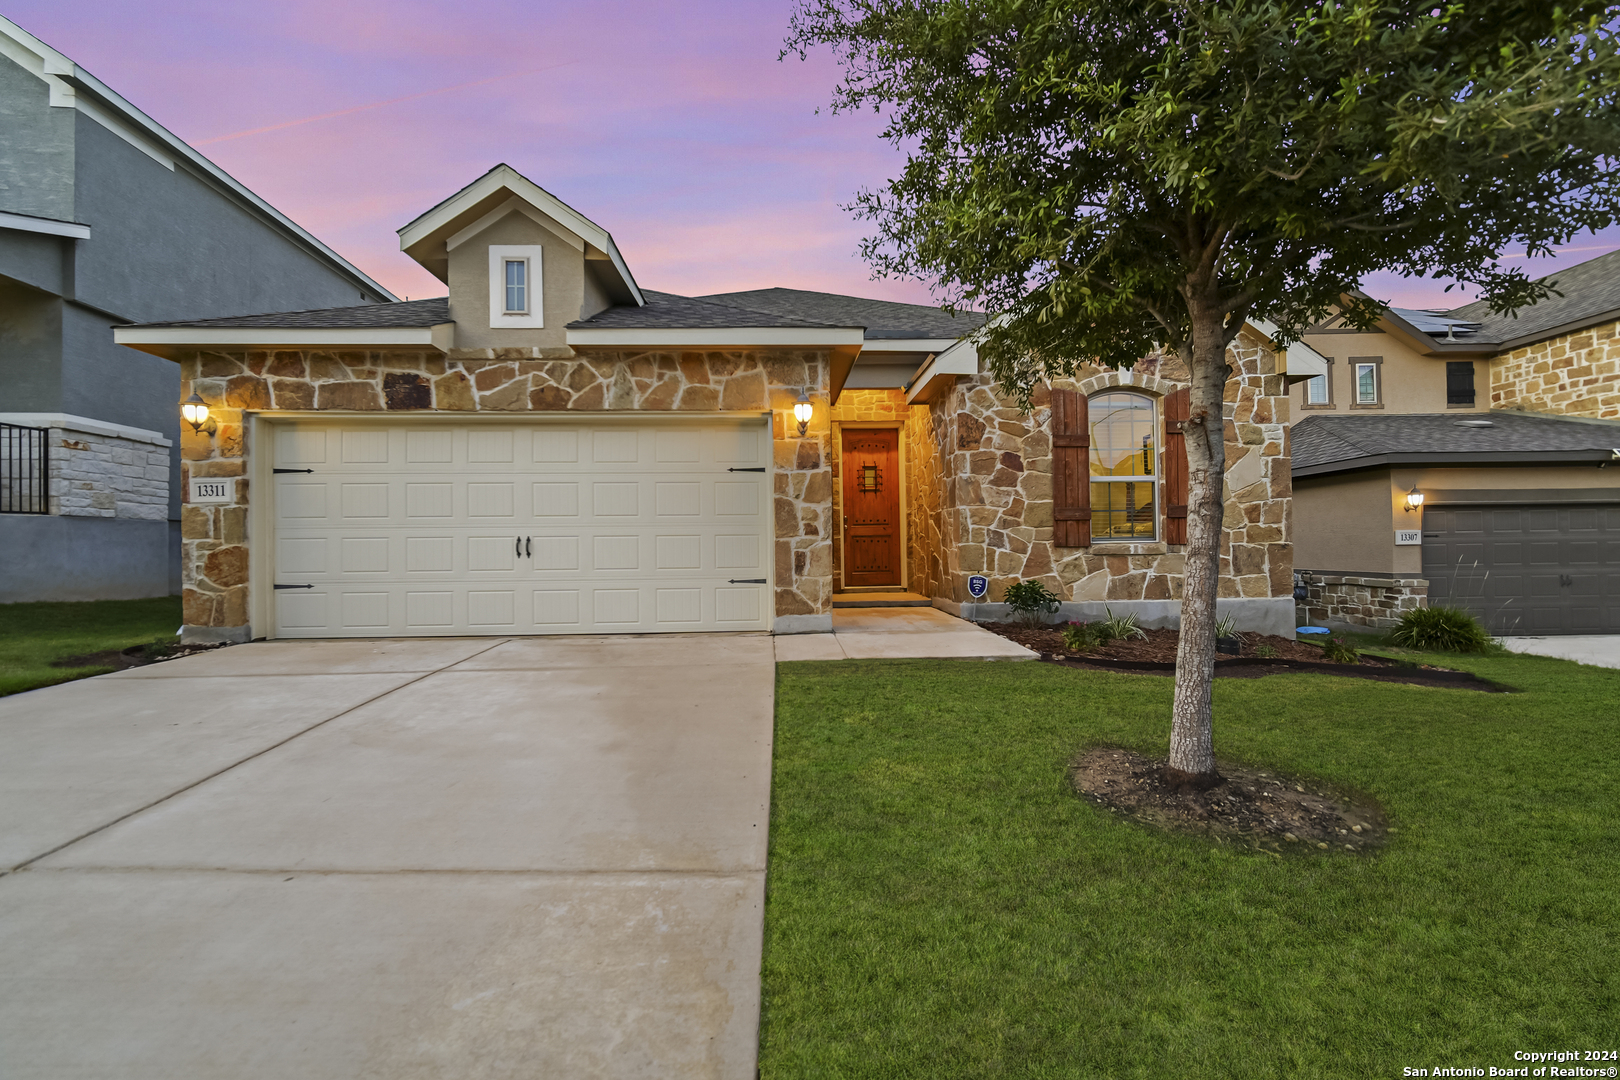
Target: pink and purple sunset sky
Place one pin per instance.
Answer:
(674, 126)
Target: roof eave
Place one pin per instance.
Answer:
(1485, 457)
(172, 341)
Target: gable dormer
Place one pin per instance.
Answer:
(520, 263)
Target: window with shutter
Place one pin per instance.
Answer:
(1124, 460)
(1071, 488)
(1176, 408)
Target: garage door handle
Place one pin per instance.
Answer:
(745, 581)
(517, 546)
(528, 547)
(292, 470)
(292, 586)
(757, 468)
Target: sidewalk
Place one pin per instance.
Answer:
(898, 633)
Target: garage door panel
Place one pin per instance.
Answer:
(1550, 569)
(522, 529)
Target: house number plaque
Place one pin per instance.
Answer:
(212, 491)
(1408, 537)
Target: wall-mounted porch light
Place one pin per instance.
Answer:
(194, 410)
(1414, 499)
(802, 411)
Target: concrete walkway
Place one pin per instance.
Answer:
(899, 633)
(1600, 650)
(538, 857)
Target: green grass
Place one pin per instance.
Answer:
(939, 903)
(33, 635)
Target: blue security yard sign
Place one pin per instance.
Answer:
(978, 585)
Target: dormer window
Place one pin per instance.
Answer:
(517, 295)
(517, 286)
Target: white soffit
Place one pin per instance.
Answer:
(72, 87)
(44, 226)
(722, 337)
(962, 358)
(504, 176)
(201, 337)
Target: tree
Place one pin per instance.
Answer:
(1108, 177)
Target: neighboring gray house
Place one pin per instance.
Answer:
(105, 218)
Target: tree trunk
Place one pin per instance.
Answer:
(1192, 748)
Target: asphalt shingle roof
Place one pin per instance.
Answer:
(406, 313)
(882, 318)
(1590, 289)
(666, 311)
(1321, 443)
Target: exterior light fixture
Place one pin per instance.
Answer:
(194, 410)
(1414, 499)
(802, 411)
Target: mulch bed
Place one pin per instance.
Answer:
(136, 656)
(1156, 655)
(1263, 810)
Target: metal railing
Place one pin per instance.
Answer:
(25, 474)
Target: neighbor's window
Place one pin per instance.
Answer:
(1366, 382)
(1459, 382)
(517, 286)
(1123, 467)
(1316, 390)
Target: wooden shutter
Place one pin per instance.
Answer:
(1071, 470)
(1175, 467)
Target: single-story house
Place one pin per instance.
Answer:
(552, 448)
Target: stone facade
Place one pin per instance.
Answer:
(978, 492)
(1572, 375)
(995, 506)
(96, 475)
(1373, 602)
(214, 557)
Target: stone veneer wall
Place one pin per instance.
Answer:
(94, 474)
(994, 511)
(214, 556)
(1572, 375)
(1371, 601)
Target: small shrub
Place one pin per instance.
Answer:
(1120, 627)
(1340, 651)
(1264, 652)
(1441, 629)
(1031, 602)
(1226, 626)
(1080, 636)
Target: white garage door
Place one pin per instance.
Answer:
(523, 528)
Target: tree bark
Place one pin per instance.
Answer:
(1192, 747)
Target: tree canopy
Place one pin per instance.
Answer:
(1085, 166)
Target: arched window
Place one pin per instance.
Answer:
(1124, 467)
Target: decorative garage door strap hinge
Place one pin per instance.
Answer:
(745, 581)
(292, 470)
(293, 586)
(755, 468)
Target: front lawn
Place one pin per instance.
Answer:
(34, 635)
(940, 904)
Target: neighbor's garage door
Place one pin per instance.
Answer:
(523, 528)
(1527, 569)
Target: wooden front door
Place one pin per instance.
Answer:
(871, 464)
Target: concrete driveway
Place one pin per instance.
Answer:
(534, 857)
(1599, 650)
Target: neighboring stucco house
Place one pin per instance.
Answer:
(106, 218)
(1508, 428)
(553, 449)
